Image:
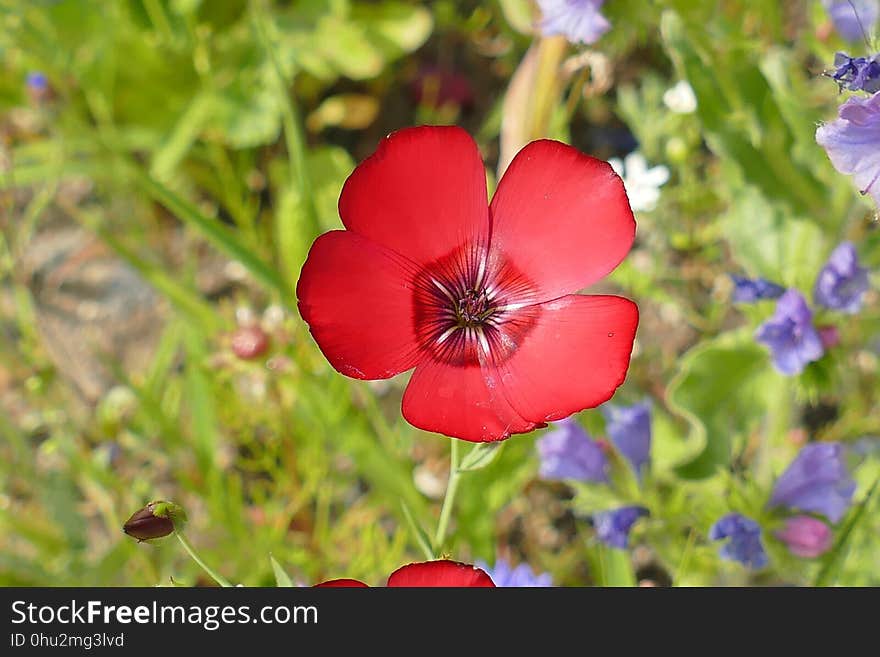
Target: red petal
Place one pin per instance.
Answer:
(421, 194)
(561, 217)
(440, 573)
(574, 357)
(342, 583)
(460, 402)
(357, 300)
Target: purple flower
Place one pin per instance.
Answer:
(744, 540)
(503, 575)
(612, 527)
(579, 20)
(842, 283)
(790, 334)
(805, 536)
(853, 19)
(816, 480)
(853, 142)
(568, 452)
(748, 290)
(857, 73)
(630, 430)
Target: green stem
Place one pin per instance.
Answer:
(217, 577)
(293, 135)
(449, 498)
(779, 422)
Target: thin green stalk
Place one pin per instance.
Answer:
(685, 558)
(293, 135)
(449, 498)
(833, 561)
(217, 577)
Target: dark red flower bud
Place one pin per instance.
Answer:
(155, 520)
(829, 335)
(249, 342)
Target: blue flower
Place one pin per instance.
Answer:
(744, 540)
(857, 73)
(748, 290)
(842, 283)
(568, 452)
(612, 527)
(579, 20)
(790, 334)
(853, 19)
(503, 575)
(629, 428)
(37, 81)
(817, 480)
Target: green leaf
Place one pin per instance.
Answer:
(481, 455)
(720, 390)
(768, 242)
(282, 579)
(396, 28)
(186, 131)
(518, 13)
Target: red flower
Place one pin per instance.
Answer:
(440, 573)
(476, 298)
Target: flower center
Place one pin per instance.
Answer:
(473, 308)
(468, 311)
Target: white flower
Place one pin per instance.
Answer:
(680, 98)
(642, 184)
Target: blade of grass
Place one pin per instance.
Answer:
(833, 561)
(613, 567)
(282, 579)
(417, 532)
(220, 236)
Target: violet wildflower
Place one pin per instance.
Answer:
(805, 536)
(568, 452)
(744, 540)
(790, 334)
(853, 142)
(630, 430)
(842, 282)
(613, 527)
(853, 19)
(579, 20)
(37, 86)
(521, 576)
(817, 480)
(857, 73)
(748, 290)
(37, 81)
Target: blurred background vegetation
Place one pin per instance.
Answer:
(158, 196)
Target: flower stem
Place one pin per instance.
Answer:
(222, 581)
(449, 498)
